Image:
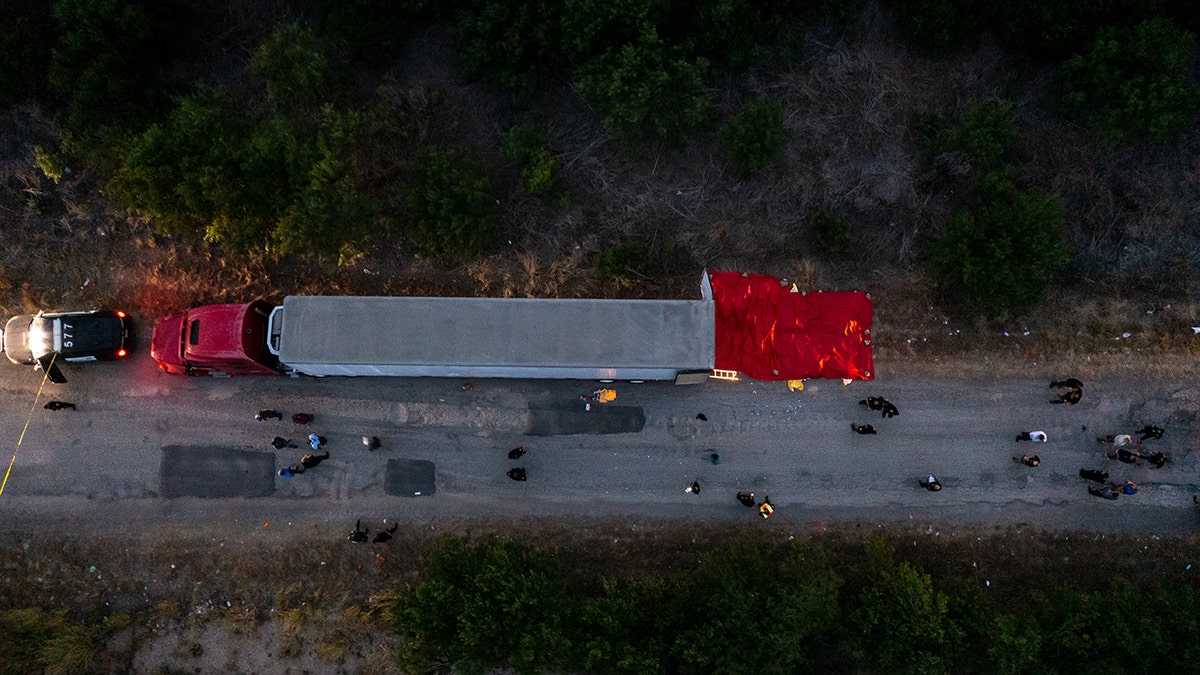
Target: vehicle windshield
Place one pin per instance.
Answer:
(41, 336)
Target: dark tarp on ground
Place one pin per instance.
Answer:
(769, 333)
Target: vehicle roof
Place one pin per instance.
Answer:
(220, 331)
(497, 331)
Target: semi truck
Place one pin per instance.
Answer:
(546, 338)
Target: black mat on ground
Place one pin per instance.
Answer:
(197, 471)
(563, 420)
(409, 478)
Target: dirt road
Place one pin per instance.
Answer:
(99, 468)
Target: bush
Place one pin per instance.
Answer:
(997, 260)
(510, 42)
(738, 33)
(1134, 82)
(169, 172)
(455, 211)
(591, 29)
(648, 91)
(902, 621)
(626, 263)
(830, 233)
(108, 65)
(746, 609)
(330, 217)
(483, 606)
(985, 132)
(291, 64)
(36, 641)
(249, 186)
(756, 137)
(539, 169)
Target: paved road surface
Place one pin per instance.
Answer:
(101, 467)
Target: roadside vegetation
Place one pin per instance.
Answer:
(976, 155)
(656, 598)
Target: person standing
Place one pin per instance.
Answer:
(746, 499)
(59, 405)
(315, 441)
(290, 471)
(864, 429)
(262, 415)
(280, 443)
(517, 452)
(1035, 436)
(932, 484)
(693, 489)
(302, 418)
(1028, 460)
(516, 473)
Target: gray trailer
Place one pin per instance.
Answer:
(496, 337)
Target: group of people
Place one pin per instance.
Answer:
(517, 473)
(361, 535)
(1126, 450)
(765, 508)
(1070, 391)
(877, 404)
(308, 461)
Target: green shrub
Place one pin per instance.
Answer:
(830, 233)
(648, 91)
(291, 64)
(745, 608)
(330, 217)
(168, 172)
(35, 641)
(455, 211)
(756, 137)
(1134, 82)
(902, 621)
(738, 33)
(249, 186)
(50, 162)
(986, 131)
(625, 627)
(108, 65)
(495, 604)
(626, 263)
(591, 29)
(510, 42)
(997, 260)
(539, 169)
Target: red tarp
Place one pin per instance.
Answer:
(769, 333)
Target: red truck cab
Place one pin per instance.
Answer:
(216, 340)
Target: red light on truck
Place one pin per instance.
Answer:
(120, 314)
(121, 353)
